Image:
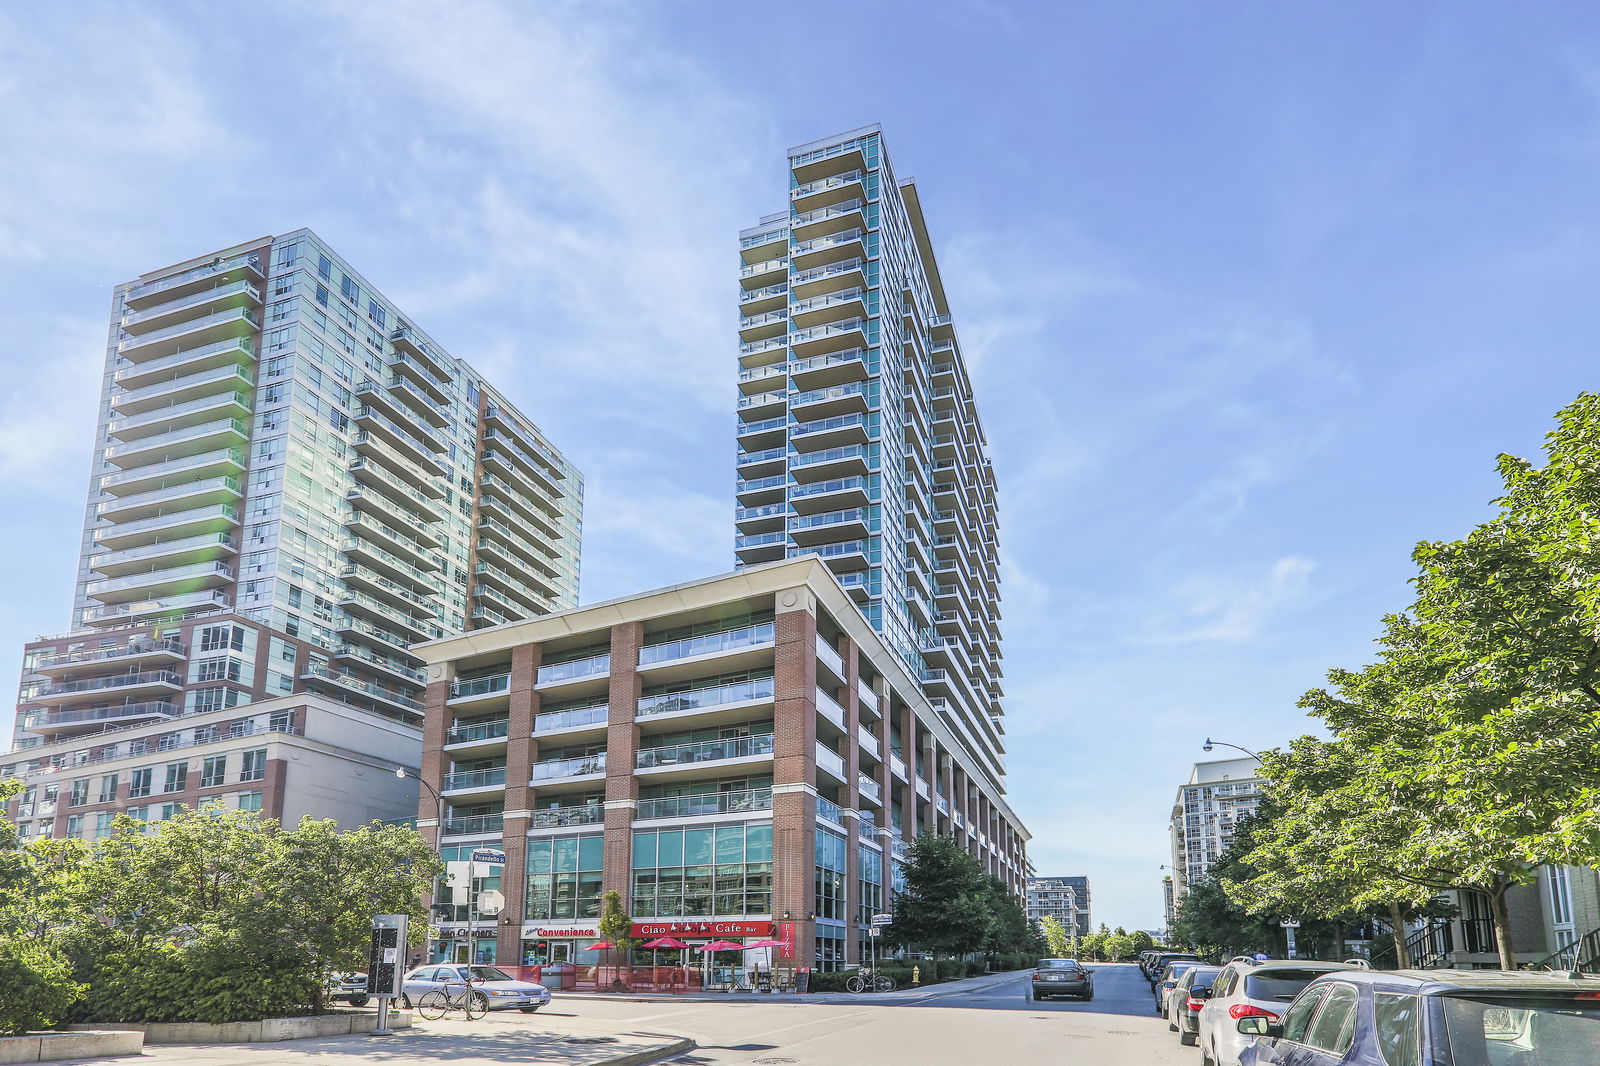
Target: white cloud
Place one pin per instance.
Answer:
(47, 409)
(1230, 608)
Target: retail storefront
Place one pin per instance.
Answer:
(544, 944)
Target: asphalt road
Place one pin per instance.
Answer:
(994, 1026)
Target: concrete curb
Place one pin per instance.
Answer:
(650, 1054)
(86, 1043)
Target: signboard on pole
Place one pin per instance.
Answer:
(386, 955)
(882, 919)
(488, 857)
(876, 930)
(491, 902)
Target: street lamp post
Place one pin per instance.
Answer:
(438, 825)
(1209, 744)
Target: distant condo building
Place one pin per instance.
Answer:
(858, 433)
(1066, 899)
(291, 484)
(1216, 795)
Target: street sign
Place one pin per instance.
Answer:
(1290, 923)
(882, 919)
(491, 902)
(876, 930)
(489, 856)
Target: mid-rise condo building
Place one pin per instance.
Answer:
(1216, 795)
(1066, 899)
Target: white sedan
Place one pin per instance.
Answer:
(500, 990)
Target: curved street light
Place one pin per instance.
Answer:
(438, 825)
(1209, 744)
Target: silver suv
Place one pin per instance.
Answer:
(1247, 989)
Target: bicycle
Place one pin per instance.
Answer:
(438, 1003)
(869, 980)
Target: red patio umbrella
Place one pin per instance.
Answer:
(655, 946)
(767, 944)
(722, 945)
(604, 945)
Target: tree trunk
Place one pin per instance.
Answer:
(1397, 926)
(1502, 921)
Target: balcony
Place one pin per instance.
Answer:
(427, 504)
(852, 398)
(830, 811)
(764, 242)
(231, 351)
(824, 191)
(830, 761)
(139, 648)
(58, 724)
(697, 648)
(868, 698)
(571, 719)
(828, 495)
(543, 466)
(214, 518)
(224, 433)
(408, 342)
(846, 273)
(392, 541)
(765, 519)
(414, 626)
(869, 788)
(681, 756)
(832, 338)
(182, 496)
(755, 799)
(834, 432)
(177, 286)
(760, 547)
(763, 274)
(400, 413)
(202, 548)
(379, 636)
(385, 508)
(868, 740)
(535, 576)
(233, 322)
(565, 769)
(762, 463)
(420, 449)
(407, 368)
(478, 732)
(831, 526)
(832, 248)
(126, 685)
(735, 695)
(527, 599)
(767, 351)
(493, 778)
(544, 505)
(229, 461)
(766, 298)
(491, 686)
(126, 613)
(829, 708)
(846, 557)
(840, 158)
(829, 307)
(765, 324)
(393, 666)
(399, 596)
(528, 551)
(519, 504)
(474, 825)
(140, 586)
(381, 694)
(575, 670)
(840, 217)
(396, 567)
(850, 461)
(178, 416)
(229, 294)
(762, 433)
(565, 817)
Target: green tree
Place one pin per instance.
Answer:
(1008, 922)
(946, 905)
(1055, 937)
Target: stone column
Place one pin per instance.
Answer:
(851, 703)
(435, 726)
(622, 741)
(519, 798)
(794, 769)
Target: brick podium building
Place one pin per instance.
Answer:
(740, 756)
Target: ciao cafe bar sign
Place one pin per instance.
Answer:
(701, 929)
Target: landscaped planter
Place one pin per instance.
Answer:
(85, 1043)
(268, 1030)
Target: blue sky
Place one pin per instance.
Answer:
(1253, 293)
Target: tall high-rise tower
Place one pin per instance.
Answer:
(858, 435)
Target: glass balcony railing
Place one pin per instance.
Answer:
(242, 314)
(579, 766)
(474, 824)
(492, 729)
(93, 684)
(827, 270)
(754, 799)
(150, 288)
(561, 817)
(832, 518)
(766, 455)
(707, 644)
(593, 666)
(830, 810)
(571, 718)
(868, 787)
(481, 686)
(830, 455)
(713, 696)
(818, 488)
(830, 760)
(822, 214)
(755, 484)
(758, 540)
(169, 645)
(704, 751)
(488, 778)
(823, 425)
(824, 184)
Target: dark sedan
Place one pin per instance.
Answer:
(1061, 977)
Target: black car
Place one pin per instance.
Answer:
(1188, 996)
(1061, 977)
(1429, 1017)
(1158, 962)
(1166, 981)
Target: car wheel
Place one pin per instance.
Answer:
(1188, 1039)
(358, 1001)
(1206, 1059)
(405, 1001)
(1172, 1027)
(1088, 997)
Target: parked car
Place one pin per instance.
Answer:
(1250, 988)
(1167, 981)
(1061, 977)
(1416, 1017)
(502, 991)
(1188, 996)
(350, 988)
(1161, 958)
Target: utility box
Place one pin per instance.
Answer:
(386, 957)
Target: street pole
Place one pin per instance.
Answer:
(438, 833)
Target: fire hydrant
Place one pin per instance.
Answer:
(916, 975)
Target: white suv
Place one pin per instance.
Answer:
(1246, 989)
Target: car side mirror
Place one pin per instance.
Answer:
(1256, 1025)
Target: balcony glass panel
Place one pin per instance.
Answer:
(575, 767)
(559, 817)
(707, 644)
(830, 810)
(495, 775)
(571, 718)
(477, 823)
(705, 751)
(755, 799)
(490, 730)
(714, 696)
(830, 760)
(481, 686)
(593, 666)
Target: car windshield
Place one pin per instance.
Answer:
(1176, 970)
(1203, 978)
(489, 973)
(1278, 983)
(1058, 964)
(1561, 1030)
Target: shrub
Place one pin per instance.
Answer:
(214, 977)
(36, 987)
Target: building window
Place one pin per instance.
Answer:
(177, 777)
(214, 771)
(108, 788)
(564, 876)
(224, 668)
(170, 810)
(249, 801)
(830, 947)
(80, 792)
(74, 826)
(139, 782)
(350, 290)
(219, 638)
(139, 813)
(324, 267)
(869, 873)
(830, 870)
(102, 824)
(702, 871)
(255, 765)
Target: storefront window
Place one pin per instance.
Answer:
(703, 871)
(830, 874)
(564, 876)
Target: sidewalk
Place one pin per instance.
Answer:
(912, 994)
(495, 1039)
